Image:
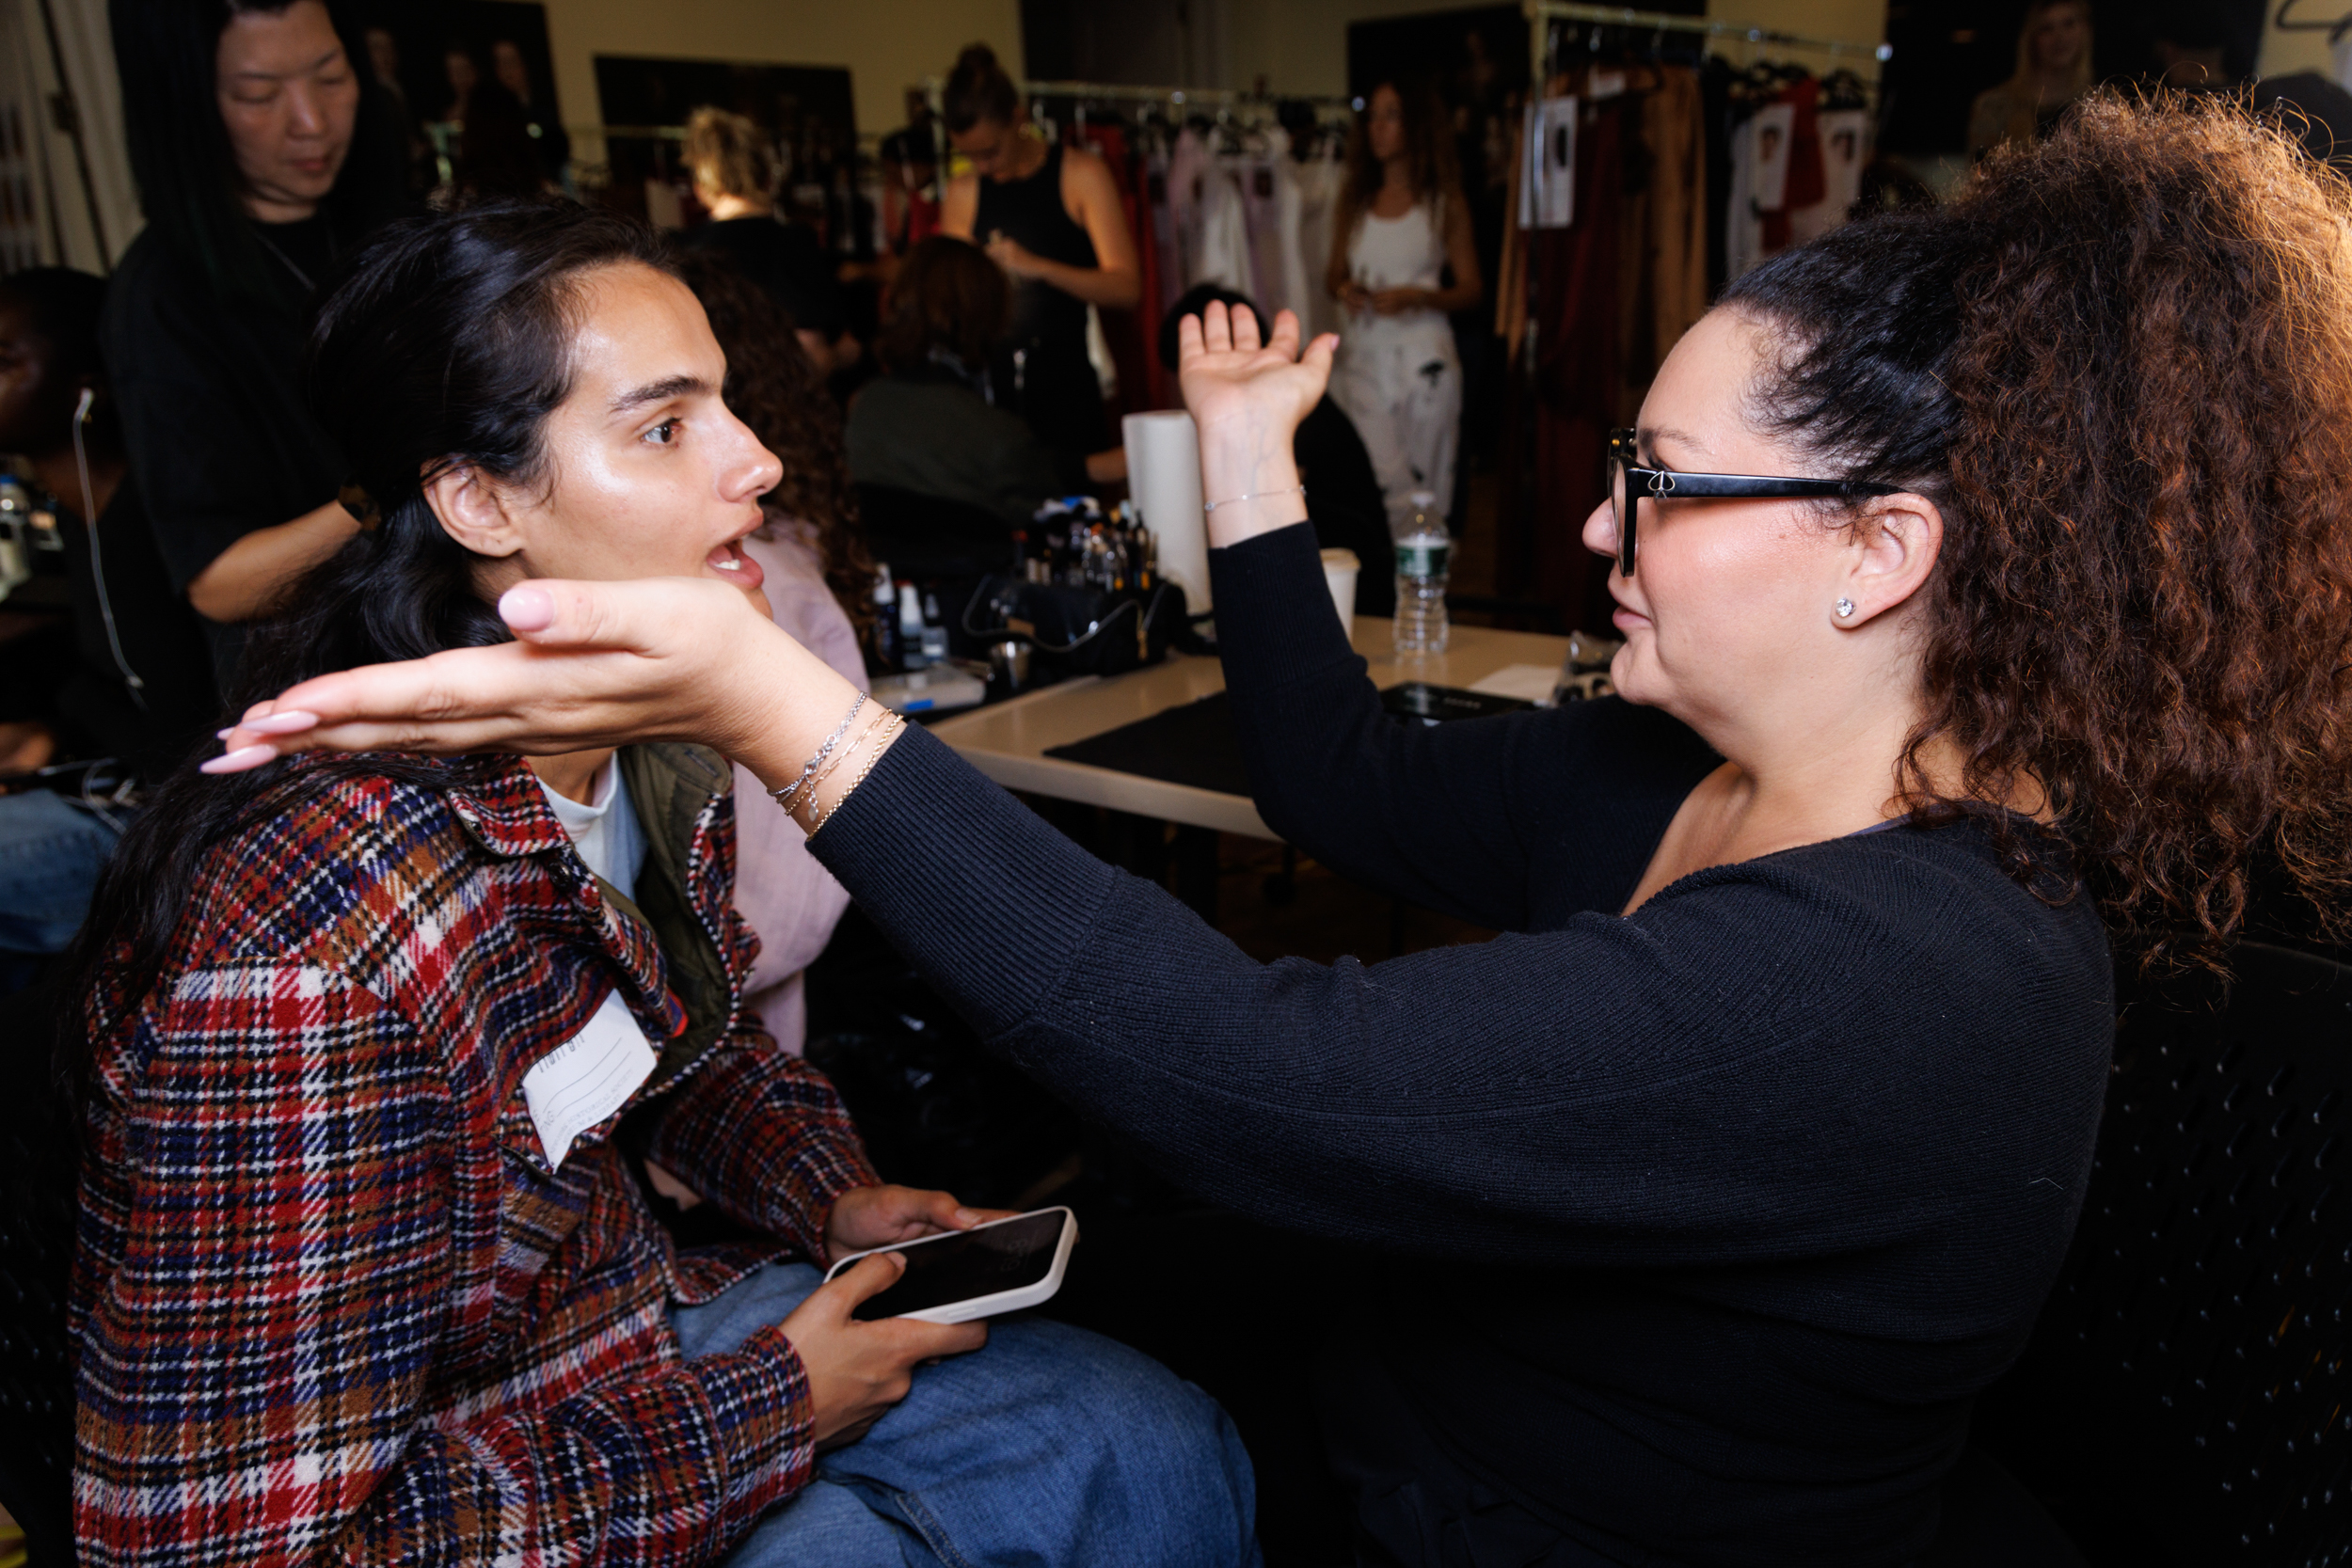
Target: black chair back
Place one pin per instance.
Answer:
(2185, 1398)
(37, 1218)
(931, 537)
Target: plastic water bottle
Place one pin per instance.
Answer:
(1424, 552)
(909, 629)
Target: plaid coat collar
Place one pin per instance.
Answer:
(679, 790)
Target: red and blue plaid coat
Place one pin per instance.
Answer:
(330, 1301)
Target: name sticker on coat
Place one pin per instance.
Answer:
(587, 1078)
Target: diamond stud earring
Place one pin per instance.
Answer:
(1845, 610)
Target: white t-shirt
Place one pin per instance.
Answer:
(608, 834)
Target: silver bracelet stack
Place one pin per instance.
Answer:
(784, 797)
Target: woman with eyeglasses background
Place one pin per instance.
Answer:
(1710, 1193)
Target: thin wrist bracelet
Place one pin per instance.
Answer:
(1262, 495)
(783, 795)
(820, 816)
(808, 794)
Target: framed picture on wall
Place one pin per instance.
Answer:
(807, 111)
(475, 83)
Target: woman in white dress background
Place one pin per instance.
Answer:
(1402, 225)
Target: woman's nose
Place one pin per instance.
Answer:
(304, 115)
(1600, 531)
(756, 470)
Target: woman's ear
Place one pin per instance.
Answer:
(1896, 541)
(473, 510)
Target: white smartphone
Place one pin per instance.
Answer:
(962, 1275)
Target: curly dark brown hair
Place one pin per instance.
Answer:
(2121, 364)
(774, 389)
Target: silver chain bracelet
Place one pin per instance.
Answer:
(1262, 495)
(784, 797)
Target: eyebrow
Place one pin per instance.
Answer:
(288, 75)
(660, 391)
(1649, 436)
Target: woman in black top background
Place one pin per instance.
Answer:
(1714, 1190)
(735, 177)
(1051, 217)
(261, 153)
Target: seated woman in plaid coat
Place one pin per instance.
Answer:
(375, 1044)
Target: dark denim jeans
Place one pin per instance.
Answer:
(52, 849)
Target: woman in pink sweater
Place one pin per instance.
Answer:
(819, 588)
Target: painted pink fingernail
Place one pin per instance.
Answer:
(291, 722)
(528, 608)
(223, 735)
(238, 760)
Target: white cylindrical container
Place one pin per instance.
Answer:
(1163, 480)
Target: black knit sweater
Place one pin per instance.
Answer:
(1709, 1220)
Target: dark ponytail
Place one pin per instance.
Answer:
(445, 342)
(2121, 363)
(977, 89)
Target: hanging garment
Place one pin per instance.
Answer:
(1262, 218)
(1399, 377)
(1744, 227)
(1131, 336)
(1223, 254)
(1511, 268)
(1298, 279)
(1547, 197)
(1189, 168)
(1804, 185)
(1573, 274)
(1319, 181)
(1671, 123)
(1845, 141)
(1165, 246)
(1716, 114)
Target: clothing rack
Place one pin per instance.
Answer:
(1541, 14)
(1205, 96)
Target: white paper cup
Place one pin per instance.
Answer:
(1339, 574)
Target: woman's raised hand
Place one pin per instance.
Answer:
(1229, 377)
(1247, 400)
(594, 664)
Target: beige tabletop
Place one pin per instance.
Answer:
(1008, 741)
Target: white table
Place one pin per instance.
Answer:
(1009, 740)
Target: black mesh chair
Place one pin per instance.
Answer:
(2184, 1397)
(37, 1198)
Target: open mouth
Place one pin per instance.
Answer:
(729, 562)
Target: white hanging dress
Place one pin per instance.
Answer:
(1398, 377)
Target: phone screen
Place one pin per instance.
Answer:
(975, 1263)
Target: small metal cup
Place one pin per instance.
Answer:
(1008, 663)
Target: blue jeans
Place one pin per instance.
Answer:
(1051, 1446)
(51, 852)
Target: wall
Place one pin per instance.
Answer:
(888, 45)
(2284, 54)
(1301, 45)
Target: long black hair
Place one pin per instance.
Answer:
(167, 53)
(445, 342)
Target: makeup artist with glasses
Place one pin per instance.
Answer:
(1712, 1191)
(261, 154)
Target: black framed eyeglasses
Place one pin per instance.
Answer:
(1630, 482)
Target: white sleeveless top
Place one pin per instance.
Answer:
(1406, 252)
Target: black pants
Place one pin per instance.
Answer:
(1280, 1330)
